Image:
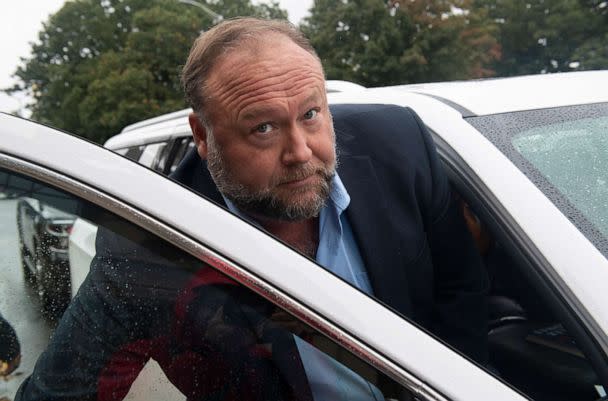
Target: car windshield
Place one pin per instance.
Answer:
(564, 151)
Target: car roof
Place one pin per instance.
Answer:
(149, 131)
(503, 95)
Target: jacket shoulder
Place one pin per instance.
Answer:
(372, 128)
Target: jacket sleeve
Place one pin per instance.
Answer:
(460, 280)
(117, 319)
(209, 335)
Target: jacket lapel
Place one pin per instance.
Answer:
(369, 217)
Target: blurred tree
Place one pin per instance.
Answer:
(592, 54)
(377, 43)
(103, 64)
(549, 35)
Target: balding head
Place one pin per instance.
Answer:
(230, 35)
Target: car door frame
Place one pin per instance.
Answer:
(564, 299)
(363, 326)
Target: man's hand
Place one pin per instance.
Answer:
(7, 367)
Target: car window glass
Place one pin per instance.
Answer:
(573, 156)
(134, 152)
(162, 156)
(563, 152)
(129, 315)
(182, 146)
(150, 153)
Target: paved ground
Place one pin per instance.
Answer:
(18, 302)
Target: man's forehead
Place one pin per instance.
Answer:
(279, 69)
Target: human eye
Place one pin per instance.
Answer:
(311, 114)
(264, 128)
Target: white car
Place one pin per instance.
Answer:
(527, 154)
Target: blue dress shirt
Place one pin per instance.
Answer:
(338, 253)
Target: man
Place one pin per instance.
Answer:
(382, 220)
(385, 221)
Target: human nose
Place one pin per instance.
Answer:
(297, 149)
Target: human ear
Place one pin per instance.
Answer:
(199, 133)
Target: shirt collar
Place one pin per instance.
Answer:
(338, 195)
(339, 199)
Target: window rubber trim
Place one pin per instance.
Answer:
(575, 317)
(420, 389)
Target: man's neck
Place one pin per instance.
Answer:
(302, 234)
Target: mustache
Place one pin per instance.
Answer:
(303, 172)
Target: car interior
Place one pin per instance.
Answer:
(537, 343)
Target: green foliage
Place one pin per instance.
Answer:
(549, 35)
(103, 64)
(377, 43)
(592, 54)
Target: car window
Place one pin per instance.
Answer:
(147, 320)
(134, 152)
(182, 145)
(573, 157)
(150, 154)
(563, 152)
(162, 156)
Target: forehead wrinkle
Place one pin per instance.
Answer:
(246, 99)
(248, 90)
(288, 86)
(248, 75)
(247, 83)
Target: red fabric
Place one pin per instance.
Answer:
(196, 374)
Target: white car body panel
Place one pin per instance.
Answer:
(81, 251)
(502, 95)
(421, 355)
(581, 268)
(149, 131)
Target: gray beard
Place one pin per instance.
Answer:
(264, 202)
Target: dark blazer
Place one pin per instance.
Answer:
(419, 256)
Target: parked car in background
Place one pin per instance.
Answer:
(43, 238)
